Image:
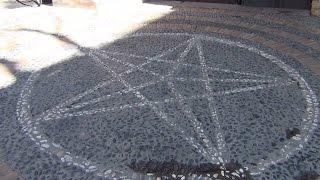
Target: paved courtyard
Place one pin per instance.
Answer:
(159, 92)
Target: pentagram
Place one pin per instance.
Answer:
(214, 152)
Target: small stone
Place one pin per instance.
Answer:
(108, 171)
(215, 175)
(235, 174)
(45, 145)
(68, 158)
(222, 173)
(92, 167)
(55, 145)
(241, 170)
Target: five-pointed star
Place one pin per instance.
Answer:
(214, 153)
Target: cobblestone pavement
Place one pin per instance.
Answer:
(196, 93)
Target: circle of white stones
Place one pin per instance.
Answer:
(213, 154)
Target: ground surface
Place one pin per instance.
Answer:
(193, 93)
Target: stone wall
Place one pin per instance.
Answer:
(315, 8)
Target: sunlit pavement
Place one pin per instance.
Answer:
(125, 90)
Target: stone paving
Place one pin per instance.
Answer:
(197, 93)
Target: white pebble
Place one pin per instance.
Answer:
(92, 167)
(108, 171)
(45, 145)
(235, 174)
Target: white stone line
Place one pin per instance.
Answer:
(197, 126)
(183, 79)
(124, 54)
(60, 109)
(101, 110)
(252, 88)
(155, 109)
(309, 123)
(207, 38)
(79, 105)
(125, 91)
(132, 66)
(41, 140)
(230, 80)
(57, 108)
(106, 97)
(219, 69)
(167, 100)
(221, 149)
(22, 105)
(240, 73)
(156, 57)
(243, 80)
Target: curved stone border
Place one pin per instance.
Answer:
(288, 35)
(287, 151)
(301, 57)
(256, 14)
